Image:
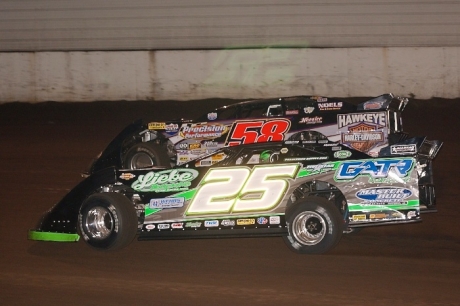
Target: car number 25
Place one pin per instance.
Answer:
(240, 189)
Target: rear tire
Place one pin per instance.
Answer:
(315, 226)
(146, 155)
(107, 221)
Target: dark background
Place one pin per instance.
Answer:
(45, 146)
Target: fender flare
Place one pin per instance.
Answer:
(63, 217)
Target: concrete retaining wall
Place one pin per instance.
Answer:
(240, 74)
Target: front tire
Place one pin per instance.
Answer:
(315, 226)
(107, 221)
(146, 155)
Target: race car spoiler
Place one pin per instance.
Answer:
(384, 102)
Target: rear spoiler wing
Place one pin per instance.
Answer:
(384, 102)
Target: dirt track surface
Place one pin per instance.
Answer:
(44, 147)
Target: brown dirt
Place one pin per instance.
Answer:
(45, 146)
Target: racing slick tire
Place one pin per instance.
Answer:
(314, 226)
(145, 155)
(107, 221)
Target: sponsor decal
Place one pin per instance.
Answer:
(376, 169)
(218, 157)
(177, 225)
(210, 160)
(372, 105)
(411, 214)
(308, 110)
(165, 181)
(292, 112)
(342, 154)
(293, 159)
(171, 128)
(212, 116)
(193, 224)
(211, 223)
(184, 159)
(167, 203)
(246, 221)
(244, 132)
(363, 131)
(317, 169)
(306, 158)
(202, 131)
(262, 220)
(163, 226)
(376, 119)
(311, 120)
(127, 176)
(157, 125)
(330, 106)
(359, 218)
(362, 137)
(403, 149)
(317, 158)
(210, 144)
(203, 163)
(150, 226)
(194, 146)
(378, 216)
(319, 99)
(227, 222)
(383, 195)
(284, 150)
(275, 220)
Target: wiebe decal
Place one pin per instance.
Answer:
(165, 181)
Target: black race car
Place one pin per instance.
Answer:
(367, 127)
(309, 190)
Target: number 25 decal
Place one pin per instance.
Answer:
(244, 132)
(241, 189)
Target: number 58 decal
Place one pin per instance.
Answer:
(244, 132)
(241, 189)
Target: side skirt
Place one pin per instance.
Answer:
(214, 233)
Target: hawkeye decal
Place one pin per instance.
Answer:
(376, 119)
(362, 131)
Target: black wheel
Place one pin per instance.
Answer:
(315, 226)
(146, 154)
(107, 221)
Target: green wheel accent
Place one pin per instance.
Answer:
(49, 236)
